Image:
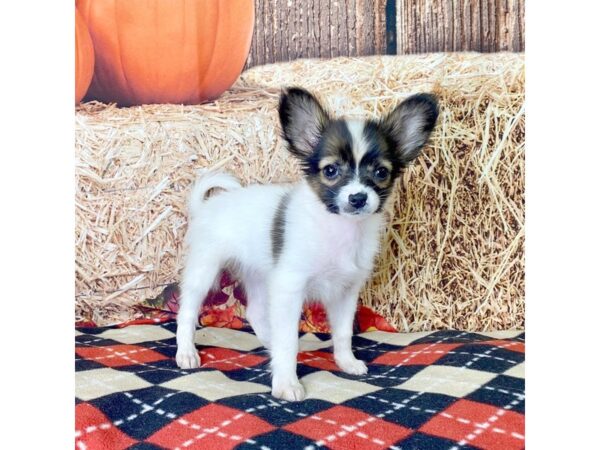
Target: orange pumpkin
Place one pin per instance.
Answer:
(167, 51)
(84, 57)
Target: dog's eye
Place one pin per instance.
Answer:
(330, 171)
(381, 173)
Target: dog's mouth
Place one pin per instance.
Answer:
(349, 210)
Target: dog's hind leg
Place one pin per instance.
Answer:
(199, 275)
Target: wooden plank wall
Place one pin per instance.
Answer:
(446, 26)
(287, 29)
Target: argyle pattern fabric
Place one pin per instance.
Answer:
(431, 390)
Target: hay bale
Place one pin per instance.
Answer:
(453, 249)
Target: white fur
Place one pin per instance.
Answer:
(359, 148)
(359, 143)
(354, 187)
(324, 256)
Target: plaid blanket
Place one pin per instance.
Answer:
(431, 390)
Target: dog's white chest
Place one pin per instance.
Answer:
(345, 257)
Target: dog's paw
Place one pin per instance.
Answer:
(291, 392)
(352, 366)
(187, 358)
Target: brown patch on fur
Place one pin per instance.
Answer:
(335, 148)
(369, 171)
(328, 160)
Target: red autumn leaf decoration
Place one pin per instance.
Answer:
(221, 318)
(369, 320)
(225, 308)
(314, 319)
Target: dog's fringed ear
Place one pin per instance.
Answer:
(410, 124)
(303, 120)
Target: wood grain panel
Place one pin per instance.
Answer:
(460, 25)
(286, 29)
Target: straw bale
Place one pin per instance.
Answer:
(452, 252)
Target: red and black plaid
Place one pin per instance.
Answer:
(438, 390)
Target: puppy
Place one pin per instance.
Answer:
(316, 239)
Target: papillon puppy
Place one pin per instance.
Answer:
(315, 239)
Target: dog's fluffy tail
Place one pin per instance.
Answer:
(207, 180)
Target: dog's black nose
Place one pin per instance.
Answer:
(358, 200)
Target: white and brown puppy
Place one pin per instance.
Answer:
(316, 239)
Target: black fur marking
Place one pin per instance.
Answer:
(381, 152)
(317, 139)
(409, 125)
(380, 147)
(336, 143)
(303, 119)
(278, 227)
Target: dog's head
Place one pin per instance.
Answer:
(352, 164)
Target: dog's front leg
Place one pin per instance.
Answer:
(286, 296)
(340, 314)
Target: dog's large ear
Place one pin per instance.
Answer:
(410, 124)
(303, 120)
